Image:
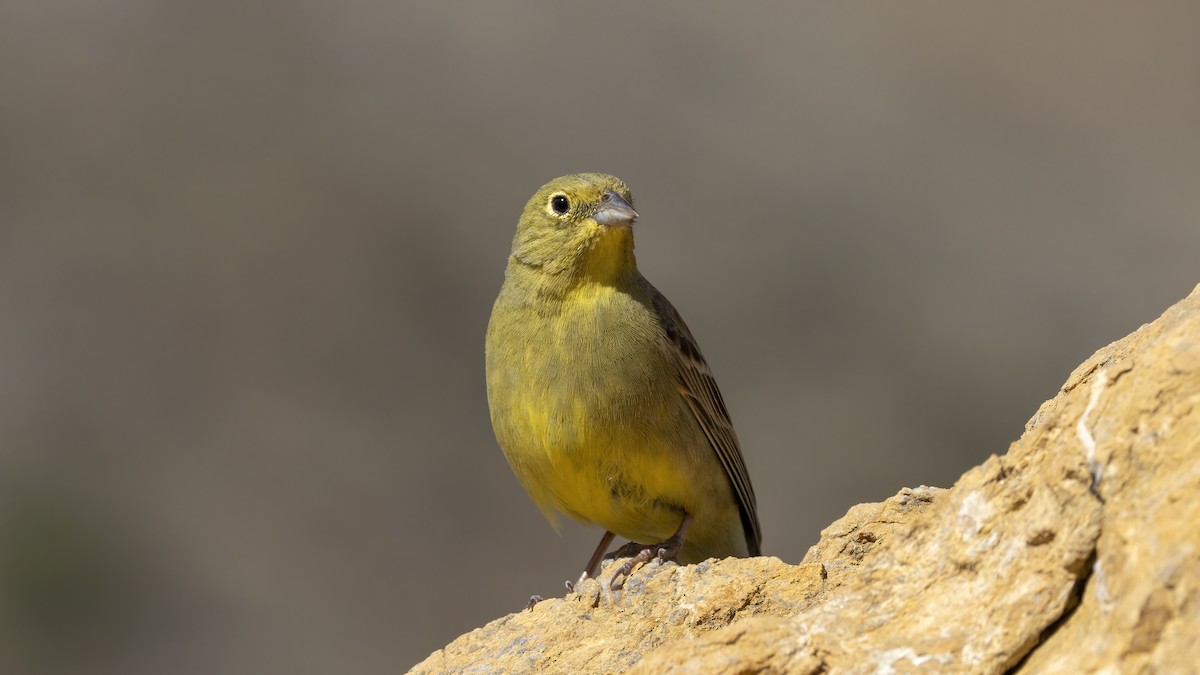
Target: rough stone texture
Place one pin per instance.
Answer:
(1077, 551)
(1140, 610)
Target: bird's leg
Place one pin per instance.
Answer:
(590, 570)
(642, 553)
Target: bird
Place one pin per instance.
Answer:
(599, 396)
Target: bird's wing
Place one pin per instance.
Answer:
(700, 389)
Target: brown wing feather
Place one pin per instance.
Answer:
(704, 398)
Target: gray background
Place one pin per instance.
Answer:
(248, 252)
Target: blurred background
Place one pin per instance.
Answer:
(248, 252)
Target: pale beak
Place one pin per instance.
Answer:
(614, 210)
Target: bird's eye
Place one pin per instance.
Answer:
(560, 204)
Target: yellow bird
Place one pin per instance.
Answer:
(599, 396)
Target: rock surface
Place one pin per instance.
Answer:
(1077, 551)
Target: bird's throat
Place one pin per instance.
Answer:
(610, 258)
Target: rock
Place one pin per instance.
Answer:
(1076, 551)
(1140, 609)
(588, 631)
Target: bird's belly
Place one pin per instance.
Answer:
(636, 478)
(627, 476)
(607, 441)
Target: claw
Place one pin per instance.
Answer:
(642, 554)
(624, 571)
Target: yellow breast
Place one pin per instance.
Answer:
(588, 413)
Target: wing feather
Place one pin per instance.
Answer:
(699, 387)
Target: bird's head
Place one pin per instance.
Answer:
(578, 225)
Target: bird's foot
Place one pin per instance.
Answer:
(640, 554)
(533, 600)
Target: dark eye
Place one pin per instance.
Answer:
(560, 204)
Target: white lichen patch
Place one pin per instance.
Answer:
(972, 513)
(885, 662)
(1084, 433)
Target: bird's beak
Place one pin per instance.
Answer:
(614, 210)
